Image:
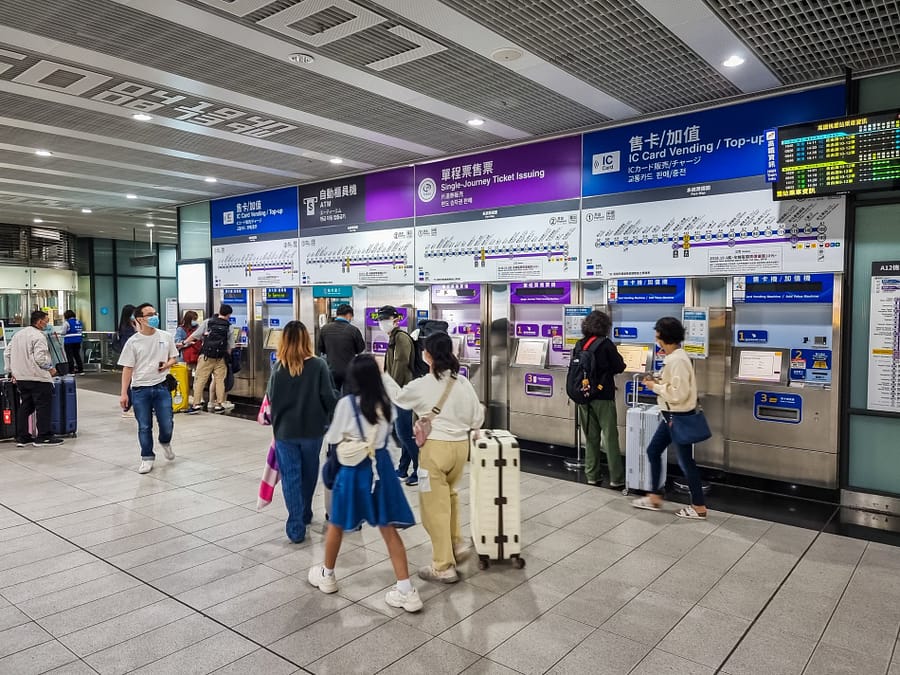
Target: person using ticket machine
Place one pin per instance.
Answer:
(676, 389)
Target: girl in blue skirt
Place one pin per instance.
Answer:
(368, 492)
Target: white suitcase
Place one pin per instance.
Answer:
(494, 496)
(641, 422)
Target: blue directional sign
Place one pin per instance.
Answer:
(264, 215)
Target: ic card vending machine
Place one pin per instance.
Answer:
(539, 409)
(239, 299)
(783, 391)
(460, 305)
(635, 305)
(278, 307)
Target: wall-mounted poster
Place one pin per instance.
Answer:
(884, 337)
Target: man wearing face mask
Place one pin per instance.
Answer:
(28, 361)
(145, 360)
(398, 364)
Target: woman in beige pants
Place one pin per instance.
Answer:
(444, 455)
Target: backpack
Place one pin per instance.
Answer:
(215, 342)
(417, 362)
(583, 381)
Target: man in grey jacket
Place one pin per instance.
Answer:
(28, 360)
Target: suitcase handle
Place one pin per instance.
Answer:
(635, 386)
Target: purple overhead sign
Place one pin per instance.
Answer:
(373, 198)
(528, 174)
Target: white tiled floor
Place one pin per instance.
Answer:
(104, 570)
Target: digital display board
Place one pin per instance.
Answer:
(850, 154)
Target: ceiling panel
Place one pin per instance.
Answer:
(615, 45)
(803, 41)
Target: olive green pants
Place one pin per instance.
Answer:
(598, 418)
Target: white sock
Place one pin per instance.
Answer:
(404, 586)
(327, 572)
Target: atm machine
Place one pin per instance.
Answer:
(635, 304)
(325, 301)
(539, 409)
(782, 396)
(460, 305)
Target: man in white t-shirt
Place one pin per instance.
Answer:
(145, 360)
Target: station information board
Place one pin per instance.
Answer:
(851, 154)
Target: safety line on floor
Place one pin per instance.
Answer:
(165, 593)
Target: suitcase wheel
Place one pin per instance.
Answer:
(483, 562)
(625, 492)
(518, 562)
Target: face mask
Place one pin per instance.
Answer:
(153, 321)
(48, 328)
(194, 324)
(386, 325)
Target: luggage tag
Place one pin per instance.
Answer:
(424, 480)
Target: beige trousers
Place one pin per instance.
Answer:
(444, 461)
(218, 370)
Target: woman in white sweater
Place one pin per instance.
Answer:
(677, 393)
(444, 455)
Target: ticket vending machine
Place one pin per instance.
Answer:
(373, 297)
(539, 409)
(782, 399)
(460, 305)
(635, 305)
(240, 300)
(275, 308)
(326, 300)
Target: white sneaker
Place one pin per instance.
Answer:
(447, 576)
(411, 601)
(318, 579)
(146, 466)
(461, 551)
(167, 450)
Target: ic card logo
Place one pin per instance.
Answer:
(606, 162)
(228, 218)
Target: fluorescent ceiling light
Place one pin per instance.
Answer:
(38, 220)
(142, 117)
(43, 153)
(210, 179)
(149, 224)
(336, 160)
(130, 196)
(85, 210)
(475, 122)
(733, 61)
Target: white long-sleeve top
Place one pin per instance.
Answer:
(677, 388)
(461, 412)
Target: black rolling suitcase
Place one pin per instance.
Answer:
(9, 406)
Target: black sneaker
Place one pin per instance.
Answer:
(21, 443)
(48, 441)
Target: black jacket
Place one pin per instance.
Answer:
(607, 364)
(339, 341)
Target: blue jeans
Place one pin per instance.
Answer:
(146, 401)
(658, 444)
(403, 425)
(298, 462)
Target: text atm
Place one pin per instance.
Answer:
(783, 395)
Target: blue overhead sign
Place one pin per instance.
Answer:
(262, 216)
(785, 288)
(648, 291)
(712, 145)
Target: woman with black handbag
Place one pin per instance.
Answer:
(683, 422)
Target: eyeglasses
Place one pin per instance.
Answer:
(147, 316)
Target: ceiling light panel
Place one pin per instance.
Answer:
(802, 41)
(613, 45)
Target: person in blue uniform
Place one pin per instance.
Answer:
(72, 332)
(369, 491)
